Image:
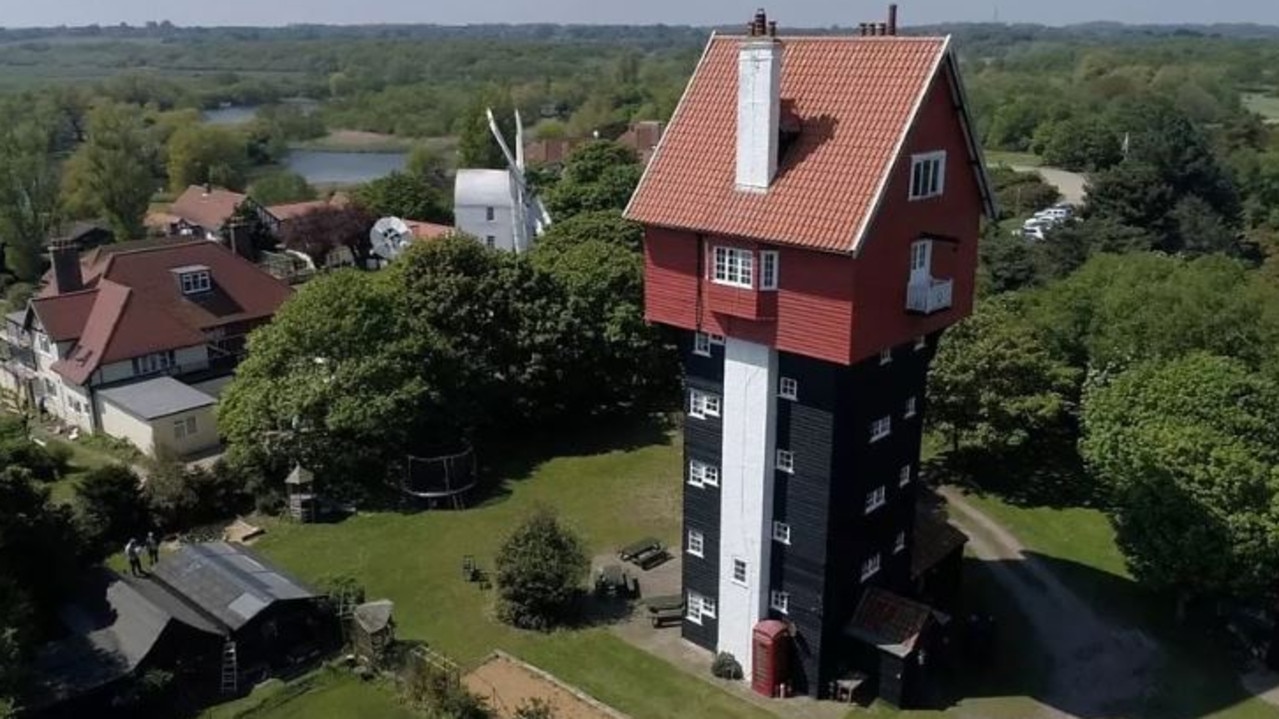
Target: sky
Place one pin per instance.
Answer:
(805, 13)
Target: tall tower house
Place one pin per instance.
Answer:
(811, 224)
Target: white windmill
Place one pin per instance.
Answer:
(498, 206)
(389, 237)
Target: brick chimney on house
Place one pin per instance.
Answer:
(759, 105)
(64, 254)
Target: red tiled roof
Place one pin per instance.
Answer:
(297, 209)
(855, 99)
(63, 316)
(888, 621)
(428, 230)
(135, 305)
(209, 209)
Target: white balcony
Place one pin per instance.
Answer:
(930, 296)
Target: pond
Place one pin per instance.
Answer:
(344, 168)
(234, 115)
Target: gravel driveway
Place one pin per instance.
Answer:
(1099, 669)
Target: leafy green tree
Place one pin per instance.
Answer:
(408, 196)
(206, 153)
(1199, 230)
(540, 570)
(280, 188)
(30, 205)
(1118, 310)
(1189, 450)
(993, 383)
(39, 549)
(598, 176)
(336, 382)
(1082, 144)
(1022, 193)
(111, 173)
(476, 146)
(109, 508)
(1006, 262)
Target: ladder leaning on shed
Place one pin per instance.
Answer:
(230, 668)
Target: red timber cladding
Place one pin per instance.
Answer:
(953, 220)
(810, 314)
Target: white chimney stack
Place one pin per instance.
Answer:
(759, 106)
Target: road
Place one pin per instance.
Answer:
(1069, 184)
(1099, 669)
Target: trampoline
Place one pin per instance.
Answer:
(443, 479)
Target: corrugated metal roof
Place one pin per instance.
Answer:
(154, 398)
(228, 581)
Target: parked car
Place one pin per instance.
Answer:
(1056, 214)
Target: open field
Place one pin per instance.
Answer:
(1265, 105)
(1021, 159)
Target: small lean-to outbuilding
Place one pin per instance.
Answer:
(160, 415)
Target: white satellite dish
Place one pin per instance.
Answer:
(389, 236)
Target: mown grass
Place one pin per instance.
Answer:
(328, 694)
(610, 496)
(1265, 105)
(1020, 159)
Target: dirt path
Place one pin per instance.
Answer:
(1099, 669)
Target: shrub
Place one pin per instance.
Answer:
(181, 497)
(60, 453)
(109, 507)
(441, 695)
(540, 570)
(726, 666)
(22, 452)
(535, 708)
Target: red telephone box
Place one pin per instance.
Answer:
(771, 651)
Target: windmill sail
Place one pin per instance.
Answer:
(531, 217)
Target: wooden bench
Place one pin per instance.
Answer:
(665, 609)
(650, 557)
(631, 551)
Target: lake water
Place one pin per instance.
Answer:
(344, 168)
(230, 115)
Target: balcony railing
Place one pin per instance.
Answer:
(931, 296)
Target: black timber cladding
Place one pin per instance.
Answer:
(703, 441)
(824, 501)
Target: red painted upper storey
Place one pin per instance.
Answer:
(848, 300)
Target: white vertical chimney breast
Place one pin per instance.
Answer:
(759, 111)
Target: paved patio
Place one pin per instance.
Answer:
(665, 642)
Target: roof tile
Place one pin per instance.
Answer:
(855, 98)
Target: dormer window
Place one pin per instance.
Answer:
(194, 279)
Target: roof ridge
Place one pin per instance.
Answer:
(73, 293)
(838, 38)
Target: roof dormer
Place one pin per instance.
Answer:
(193, 279)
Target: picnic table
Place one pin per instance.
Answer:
(612, 579)
(645, 554)
(665, 608)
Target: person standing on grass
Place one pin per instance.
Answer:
(153, 548)
(134, 554)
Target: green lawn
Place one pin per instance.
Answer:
(610, 497)
(328, 694)
(84, 458)
(1196, 678)
(1265, 105)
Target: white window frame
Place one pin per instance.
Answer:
(903, 477)
(709, 607)
(179, 429)
(733, 266)
(788, 388)
(695, 544)
(785, 461)
(739, 563)
(881, 428)
(195, 282)
(886, 356)
(927, 175)
(900, 544)
(781, 532)
(490, 214)
(779, 601)
(911, 407)
(876, 498)
(921, 342)
(702, 474)
(490, 241)
(871, 566)
(191, 427)
(703, 404)
(701, 344)
(696, 608)
(769, 270)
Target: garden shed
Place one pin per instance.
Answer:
(896, 631)
(160, 413)
(374, 630)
